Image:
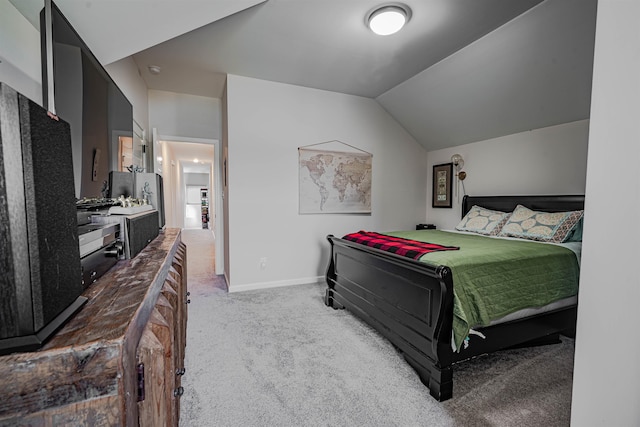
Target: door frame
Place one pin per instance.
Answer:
(215, 190)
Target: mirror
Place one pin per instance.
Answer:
(131, 152)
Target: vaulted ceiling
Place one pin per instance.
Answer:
(460, 71)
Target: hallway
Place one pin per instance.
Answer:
(201, 277)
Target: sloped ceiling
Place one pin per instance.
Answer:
(325, 44)
(117, 29)
(533, 72)
(460, 71)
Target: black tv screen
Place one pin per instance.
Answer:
(87, 98)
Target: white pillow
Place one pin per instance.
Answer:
(483, 221)
(541, 226)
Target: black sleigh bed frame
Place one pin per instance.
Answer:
(411, 303)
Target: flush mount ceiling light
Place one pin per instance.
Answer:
(154, 69)
(388, 19)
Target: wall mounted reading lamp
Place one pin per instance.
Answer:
(458, 164)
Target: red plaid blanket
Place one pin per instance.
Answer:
(397, 245)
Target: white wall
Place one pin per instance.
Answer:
(18, 80)
(171, 175)
(606, 387)
(20, 53)
(201, 179)
(182, 115)
(267, 122)
(550, 160)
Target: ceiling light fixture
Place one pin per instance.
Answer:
(388, 19)
(154, 69)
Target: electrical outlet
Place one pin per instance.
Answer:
(262, 263)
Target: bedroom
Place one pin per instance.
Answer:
(362, 121)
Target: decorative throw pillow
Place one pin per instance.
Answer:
(576, 234)
(483, 221)
(541, 226)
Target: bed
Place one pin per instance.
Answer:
(411, 302)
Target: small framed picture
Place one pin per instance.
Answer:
(442, 184)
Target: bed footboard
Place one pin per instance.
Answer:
(408, 302)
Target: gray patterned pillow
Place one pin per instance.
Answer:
(483, 221)
(541, 226)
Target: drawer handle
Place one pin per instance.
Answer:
(178, 392)
(180, 371)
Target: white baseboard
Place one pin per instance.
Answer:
(276, 284)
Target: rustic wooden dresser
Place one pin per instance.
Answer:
(119, 360)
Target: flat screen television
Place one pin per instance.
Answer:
(87, 98)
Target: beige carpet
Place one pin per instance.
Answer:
(280, 357)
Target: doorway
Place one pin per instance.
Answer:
(196, 206)
(182, 160)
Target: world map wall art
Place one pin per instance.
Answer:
(334, 181)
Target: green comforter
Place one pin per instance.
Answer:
(494, 277)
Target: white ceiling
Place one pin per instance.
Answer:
(325, 44)
(115, 29)
(187, 152)
(447, 77)
(533, 72)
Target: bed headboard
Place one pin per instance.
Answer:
(536, 203)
